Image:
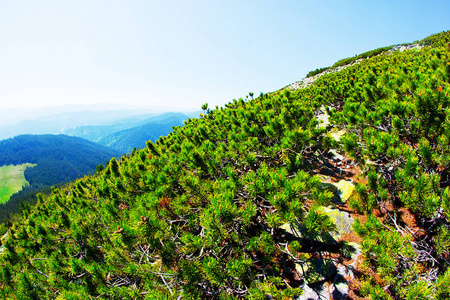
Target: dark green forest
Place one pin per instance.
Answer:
(202, 212)
(59, 159)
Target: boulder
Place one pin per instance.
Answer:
(354, 251)
(335, 155)
(323, 118)
(339, 290)
(322, 290)
(341, 190)
(341, 219)
(318, 292)
(327, 171)
(344, 189)
(317, 270)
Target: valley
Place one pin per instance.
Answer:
(59, 159)
(39, 162)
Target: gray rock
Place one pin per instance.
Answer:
(342, 220)
(336, 155)
(342, 190)
(345, 189)
(329, 186)
(323, 118)
(339, 290)
(319, 292)
(343, 272)
(336, 135)
(317, 270)
(354, 251)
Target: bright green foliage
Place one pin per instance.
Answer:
(438, 39)
(12, 180)
(196, 214)
(317, 223)
(367, 54)
(395, 110)
(371, 289)
(350, 60)
(363, 201)
(317, 71)
(201, 213)
(443, 286)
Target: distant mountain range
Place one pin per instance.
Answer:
(118, 129)
(63, 158)
(61, 122)
(135, 137)
(131, 132)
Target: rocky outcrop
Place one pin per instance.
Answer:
(307, 81)
(328, 279)
(341, 219)
(406, 47)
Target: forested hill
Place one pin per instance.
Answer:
(132, 132)
(234, 204)
(59, 158)
(136, 137)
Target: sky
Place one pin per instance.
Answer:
(177, 55)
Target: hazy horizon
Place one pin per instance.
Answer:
(181, 54)
(13, 116)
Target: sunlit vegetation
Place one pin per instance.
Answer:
(350, 60)
(395, 109)
(12, 180)
(200, 213)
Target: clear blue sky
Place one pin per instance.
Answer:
(181, 54)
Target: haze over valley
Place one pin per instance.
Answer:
(54, 145)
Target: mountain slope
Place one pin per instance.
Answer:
(136, 137)
(232, 204)
(94, 132)
(59, 158)
(131, 132)
(61, 122)
(12, 180)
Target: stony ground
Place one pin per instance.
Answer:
(336, 277)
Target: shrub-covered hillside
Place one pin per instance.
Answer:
(205, 212)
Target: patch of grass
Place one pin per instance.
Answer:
(12, 180)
